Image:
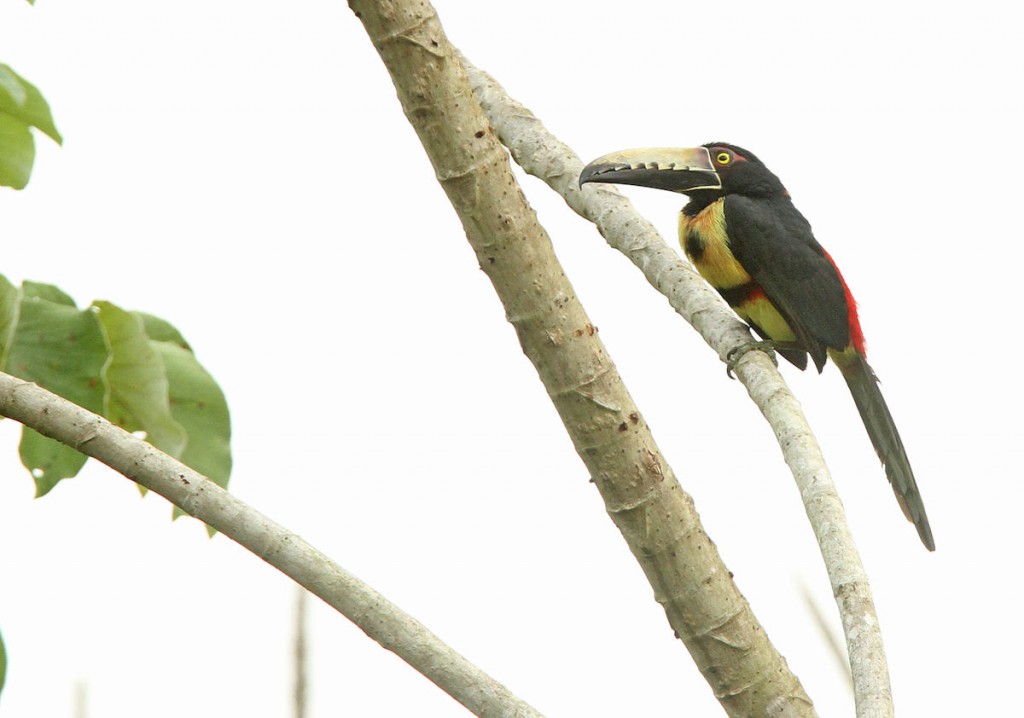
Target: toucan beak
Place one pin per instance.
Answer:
(672, 169)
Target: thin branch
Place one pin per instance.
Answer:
(544, 156)
(197, 496)
(79, 699)
(299, 653)
(641, 494)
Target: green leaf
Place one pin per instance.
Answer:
(3, 662)
(198, 404)
(50, 293)
(161, 330)
(133, 368)
(22, 107)
(20, 100)
(62, 349)
(49, 461)
(137, 397)
(17, 152)
(10, 297)
(12, 87)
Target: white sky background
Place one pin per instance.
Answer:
(244, 170)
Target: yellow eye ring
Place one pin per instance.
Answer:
(723, 158)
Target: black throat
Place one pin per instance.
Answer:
(700, 199)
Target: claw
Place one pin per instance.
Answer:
(734, 356)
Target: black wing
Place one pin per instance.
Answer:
(774, 243)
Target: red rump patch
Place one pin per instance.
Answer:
(856, 333)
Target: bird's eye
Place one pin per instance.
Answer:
(723, 158)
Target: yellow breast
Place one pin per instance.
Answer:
(706, 243)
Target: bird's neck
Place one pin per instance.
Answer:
(699, 201)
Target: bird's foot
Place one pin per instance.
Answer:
(734, 356)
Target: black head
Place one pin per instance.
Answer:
(742, 173)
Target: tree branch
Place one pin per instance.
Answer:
(544, 156)
(641, 494)
(196, 495)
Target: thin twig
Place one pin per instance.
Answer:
(197, 496)
(300, 653)
(544, 156)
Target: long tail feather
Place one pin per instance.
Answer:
(886, 439)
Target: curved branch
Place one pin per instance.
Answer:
(541, 154)
(380, 619)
